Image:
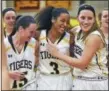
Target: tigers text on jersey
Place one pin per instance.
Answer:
(97, 67)
(20, 62)
(49, 64)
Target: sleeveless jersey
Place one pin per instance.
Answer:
(49, 64)
(97, 66)
(20, 62)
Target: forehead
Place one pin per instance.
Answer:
(32, 26)
(10, 13)
(105, 12)
(64, 15)
(86, 13)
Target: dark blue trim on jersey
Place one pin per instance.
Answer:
(26, 43)
(11, 42)
(97, 61)
(62, 36)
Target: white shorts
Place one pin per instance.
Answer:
(85, 84)
(54, 82)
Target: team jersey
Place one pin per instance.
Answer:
(49, 64)
(20, 62)
(6, 34)
(97, 66)
(107, 42)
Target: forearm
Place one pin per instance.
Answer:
(74, 62)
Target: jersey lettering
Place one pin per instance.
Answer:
(20, 64)
(55, 67)
(46, 55)
(22, 82)
(77, 50)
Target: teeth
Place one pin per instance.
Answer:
(85, 25)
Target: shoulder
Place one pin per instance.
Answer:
(67, 34)
(6, 42)
(32, 42)
(75, 29)
(42, 34)
(94, 40)
(96, 35)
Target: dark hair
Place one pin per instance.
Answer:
(18, 16)
(86, 7)
(23, 21)
(6, 10)
(44, 17)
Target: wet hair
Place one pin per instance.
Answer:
(86, 7)
(23, 21)
(44, 17)
(6, 10)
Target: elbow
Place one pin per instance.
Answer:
(82, 66)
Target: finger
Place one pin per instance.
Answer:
(49, 41)
(22, 76)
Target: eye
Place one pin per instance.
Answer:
(32, 32)
(62, 21)
(89, 18)
(82, 17)
(13, 17)
(7, 18)
(105, 16)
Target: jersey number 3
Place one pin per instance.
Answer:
(17, 84)
(55, 67)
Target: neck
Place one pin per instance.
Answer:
(17, 39)
(53, 35)
(104, 30)
(8, 30)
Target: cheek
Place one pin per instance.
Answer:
(80, 20)
(103, 20)
(6, 21)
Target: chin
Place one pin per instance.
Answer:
(85, 30)
(62, 31)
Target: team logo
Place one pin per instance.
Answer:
(42, 44)
(10, 55)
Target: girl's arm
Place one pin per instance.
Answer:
(92, 45)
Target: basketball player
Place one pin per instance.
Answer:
(104, 26)
(90, 71)
(5, 76)
(9, 18)
(20, 49)
(4, 72)
(53, 74)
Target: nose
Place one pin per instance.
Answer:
(12, 20)
(65, 24)
(86, 21)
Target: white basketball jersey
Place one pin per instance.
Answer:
(97, 67)
(20, 62)
(49, 64)
(107, 42)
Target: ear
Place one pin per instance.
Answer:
(52, 20)
(77, 18)
(20, 29)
